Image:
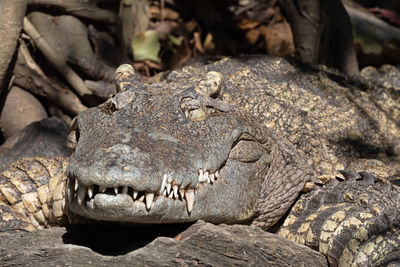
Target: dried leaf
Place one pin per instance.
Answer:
(252, 36)
(170, 14)
(208, 44)
(246, 24)
(197, 42)
(279, 39)
(146, 46)
(191, 25)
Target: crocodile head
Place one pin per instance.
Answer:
(164, 153)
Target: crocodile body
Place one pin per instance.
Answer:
(353, 222)
(212, 142)
(337, 123)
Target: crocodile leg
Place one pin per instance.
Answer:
(32, 194)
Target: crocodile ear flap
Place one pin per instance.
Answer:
(126, 79)
(210, 86)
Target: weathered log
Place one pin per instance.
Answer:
(55, 59)
(12, 13)
(29, 76)
(101, 89)
(317, 26)
(84, 9)
(202, 244)
(364, 21)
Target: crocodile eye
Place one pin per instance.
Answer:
(73, 136)
(209, 89)
(195, 110)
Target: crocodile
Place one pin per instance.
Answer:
(179, 155)
(212, 141)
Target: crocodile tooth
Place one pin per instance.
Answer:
(149, 200)
(141, 198)
(116, 190)
(205, 177)
(90, 191)
(217, 175)
(168, 188)
(76, 184)
(182, 192)
(81, 194)
(212, 177)
(189, 196)
(169, 179)
(175, 189)
(135, 193)
(171, 195)
(201, 179)
(165, 193)
(102, 189)
(124, 190)
(164, 182)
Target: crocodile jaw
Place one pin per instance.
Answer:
(214, 199)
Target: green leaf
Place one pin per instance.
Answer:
(146, 46)
(175, 41)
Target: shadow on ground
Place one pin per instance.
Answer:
(112, 240)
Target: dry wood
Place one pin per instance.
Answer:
(94, 68)
(84, 9)
(366, 22)
(55, 59)
(30, 62)
(101, 89)
(135, 16)
(31, 81)
(29, 76)
(12, 13)
(317, 26)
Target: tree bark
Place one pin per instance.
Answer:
(304, 17)
(84, 9)
(322, 33)
(56, 60)
(12, 14)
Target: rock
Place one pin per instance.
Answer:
(20, 109)
(201, 244)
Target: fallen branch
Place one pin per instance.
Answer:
(93, 68)
(102, 89)
(84, 9)
(55, 59)
(30, 81)
(29, 61)
(365, 21)
(30, 77)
